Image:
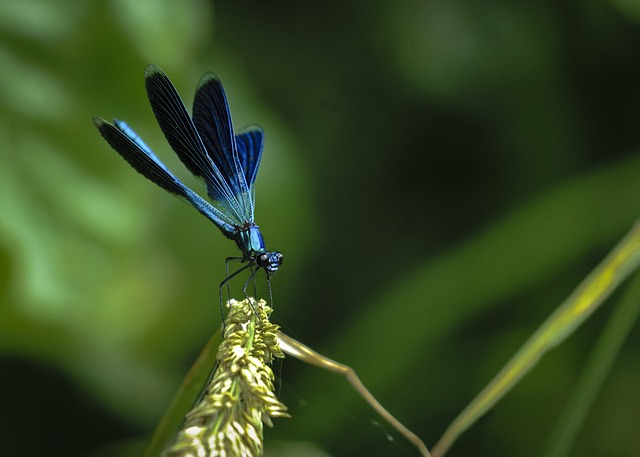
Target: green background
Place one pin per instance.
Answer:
(439, 175)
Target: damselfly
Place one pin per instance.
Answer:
(225, 163)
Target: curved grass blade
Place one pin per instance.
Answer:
(184, 399)
(619, 325)
(586, 298)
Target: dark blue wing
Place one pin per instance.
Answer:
(131, 147)
(213, 121)
(250, 143)
(182, 135)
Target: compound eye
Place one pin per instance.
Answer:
(279, 258)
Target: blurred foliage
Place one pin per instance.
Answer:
(439, 175)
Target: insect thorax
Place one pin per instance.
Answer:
(249, 240)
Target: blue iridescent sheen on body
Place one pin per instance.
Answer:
(226, 164)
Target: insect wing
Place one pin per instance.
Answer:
(182, 135)
(130, 146)
(213, 121)
(250, 143)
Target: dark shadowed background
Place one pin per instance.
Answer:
(439, 174)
